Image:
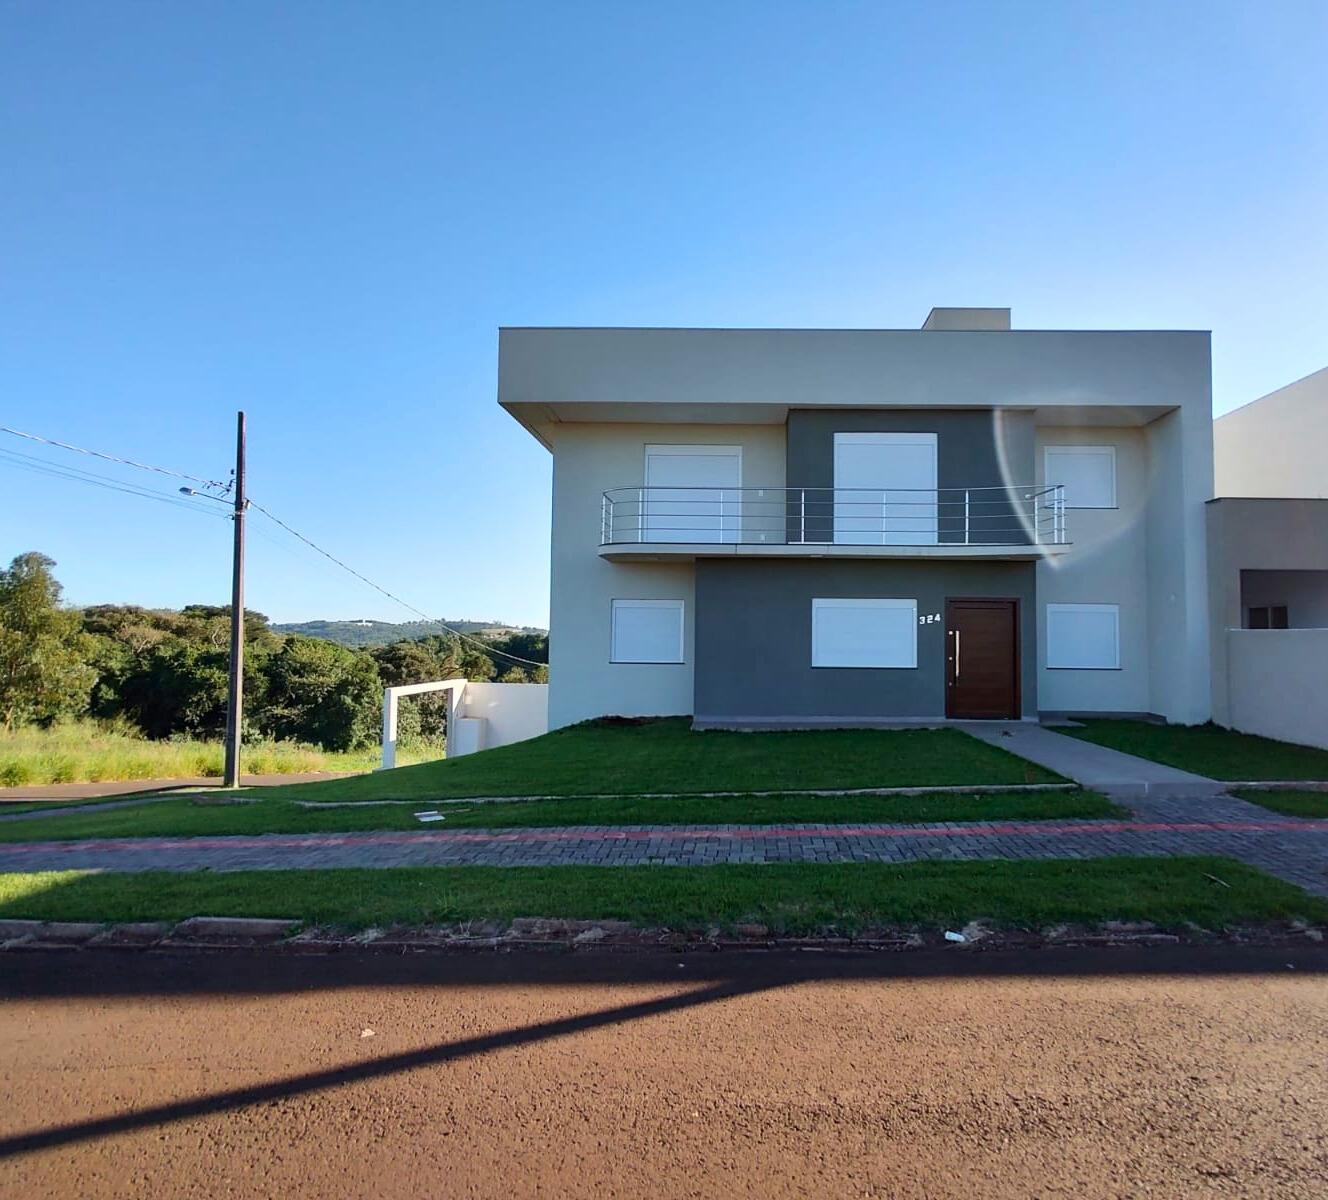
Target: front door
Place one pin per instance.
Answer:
(982, 659)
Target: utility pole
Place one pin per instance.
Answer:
(235, 698)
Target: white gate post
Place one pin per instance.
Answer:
(389, 728)
(453, 687)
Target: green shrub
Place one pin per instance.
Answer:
(14, 773)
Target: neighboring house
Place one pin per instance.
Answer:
(766, 527)
(1268, 554)
(1274, 447)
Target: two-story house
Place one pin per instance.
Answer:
(798, 527)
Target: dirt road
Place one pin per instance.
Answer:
(1185, 1072)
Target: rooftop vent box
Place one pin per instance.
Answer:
(969, 319)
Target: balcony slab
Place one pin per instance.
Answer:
(945, 551)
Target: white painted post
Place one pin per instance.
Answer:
(389, 728)
(966, 516)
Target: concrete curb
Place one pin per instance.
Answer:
(1281, 785)
(286, 936)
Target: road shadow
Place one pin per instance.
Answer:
(704, 977)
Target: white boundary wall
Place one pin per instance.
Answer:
(1277, 683)
(511, 712)
(480, 716)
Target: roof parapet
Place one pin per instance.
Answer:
(985, 320)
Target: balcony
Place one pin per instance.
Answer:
(648, 524)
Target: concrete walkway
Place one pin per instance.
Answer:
(1121, 776)
(132, 787)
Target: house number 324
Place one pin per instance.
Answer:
(929, 619)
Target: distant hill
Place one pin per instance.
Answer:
(380, 633)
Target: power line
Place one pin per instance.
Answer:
(42, 467)
(124, 462)
(79, 476)
(397, 599)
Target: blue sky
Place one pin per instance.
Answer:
(321, 212)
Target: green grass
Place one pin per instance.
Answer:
(792, 898)
(187, 817)
(1292, 803)
(1208, 750)
(89, 752)
(601, 758)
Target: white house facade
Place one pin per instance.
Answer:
(767, 528)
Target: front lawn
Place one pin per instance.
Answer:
(1291, 803)
(786, 897)
(623, 759)
(188, 817)
(1208, 750)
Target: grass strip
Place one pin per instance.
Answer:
(787, 897)
(1207, 750)
(1288, 802)
(187, 817)
(56, 807)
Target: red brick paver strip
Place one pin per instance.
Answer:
(1294, 849)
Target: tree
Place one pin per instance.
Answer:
(43, 669)
(532, 646)
(176, 687)
(401, 662)
(166, 670)
(322, 693)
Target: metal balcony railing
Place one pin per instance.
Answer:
(980, 516)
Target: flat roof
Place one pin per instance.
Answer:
(549, 375)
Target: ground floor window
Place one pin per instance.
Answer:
(646, 631)
(864, 633)
(1084, 637)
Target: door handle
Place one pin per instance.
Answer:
(956, 655)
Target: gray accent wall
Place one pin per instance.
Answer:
(975, 448)
(753, 630)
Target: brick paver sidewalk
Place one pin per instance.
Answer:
(1294, 849)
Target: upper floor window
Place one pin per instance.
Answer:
(1268, 616)
(1088, 473)
(692, 494)
(885, 489)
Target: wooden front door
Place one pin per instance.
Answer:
(982, 659)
